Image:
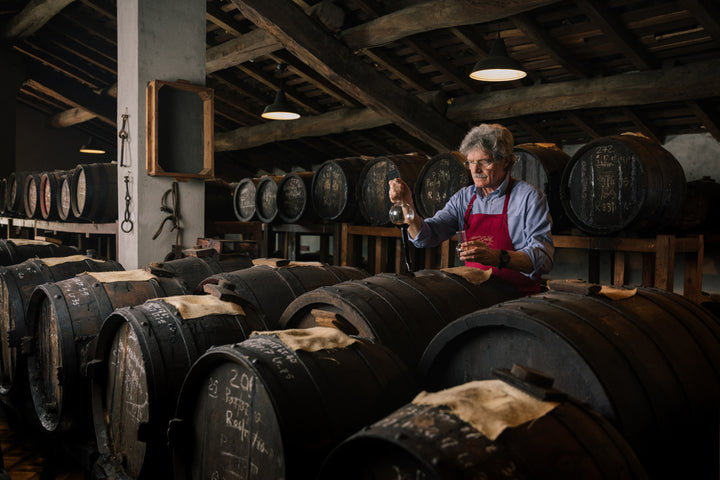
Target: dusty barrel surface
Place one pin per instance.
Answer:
(442, 435)
(334, 189)
(373, 187)
(192, 271)
(18, 250)
(277, 403)
(31, 195)
(17, 282)
(63, 320)
(401, 312)
(94, 192)
(138, 370)
(293, 198)
(649, 363)
(244, 199)
(272, 289)
(438, 180)
(622, 183)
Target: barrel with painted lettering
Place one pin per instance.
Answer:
(244, 199)
(645, 359)
(31, 195)
(194, 270)
(438, 180)
(277, 403)
(94, 192)
(293, 198)
(17, 250)
(334, 189)
(266, 207)
(272, 289)
(17, 282)
(622, 184)
(137, 372)
(373, 186)
(487, 430)
(401, 312)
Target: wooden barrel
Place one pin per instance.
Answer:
(94, 192)
(219, 201)
(138, 370)
(334, 189)
(276, 404)
(3, 196)
(31, 195)
(17, 250)
(17, 283)
(271, 290)
(698, 212)
(244, 199)
(374, 188)
(194, 270)
(401, 312)
(623, 183)
(15, 188)
(64, 198)
(293, 198)
(649, 363)
(438, 180)
(442, 435)
(266, 198)
(50, 183)
(542, 165)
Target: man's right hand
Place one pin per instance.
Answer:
(399, 191)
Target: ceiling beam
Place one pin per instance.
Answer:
(708, 14)
(31, 19)
(709, 118)
(643, 126)
(333, 60)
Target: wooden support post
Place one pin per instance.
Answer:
(346, 245)
(692, 287)
(380, 255)
(665, 262)
(619, 265)
(594, 266)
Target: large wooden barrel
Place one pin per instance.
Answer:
(50, 183)
(649, 363)
(194, 270)
(63, 320)
(138, 370)
(277, 403)
(486, 430)
(293, 198)
(623, 183)
(266, 207)
(17, 250)
(94, 192)
(698, 212)
(374, 188)
(219, 201)
(31, 195)
(272, 289)
(542, 165)
(17, 282)
(401, 312)
(64, 198)
(438, 180)
(334, 189)
(15, 199)
(244, 199)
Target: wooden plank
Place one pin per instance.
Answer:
(380, 255)
(665, 262)
(692, 288)
(619, 264)
(35, 14)
(345, 245)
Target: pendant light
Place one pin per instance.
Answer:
(280, 109)
(91, 146)
(498, 66)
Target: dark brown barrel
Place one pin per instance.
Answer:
(15, 188)
(31, 195)
(63, 320)
(219, 201)
(438, 180)
(271, 290)
(649, 363)
(18, 250)
(194, 270)
(623, 183)
(276, 408)
(64, 199)
(433, 438)
(17, 283)
(3, 196)
(138, 370)
(293, 198)
(373, 186)
(699, 211)
(542, 165)
(94, 192)
(401, 312)
(334, 189)
(244, 199)
(266, 198)
(50, 183)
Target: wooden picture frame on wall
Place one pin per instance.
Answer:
(179, 130)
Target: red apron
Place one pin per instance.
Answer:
(493, 230)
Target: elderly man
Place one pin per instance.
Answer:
(507, 221)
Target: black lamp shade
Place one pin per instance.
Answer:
(91, 146)
(279, 109)
(498, 66)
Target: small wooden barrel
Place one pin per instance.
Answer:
(64, 198)
(439, 436)
(542, 165)
(194, 270)
(271, 290)
(438, 180)
(648, 362)
(293, 198)
(276, 404)
(244, 199)
(401, 312)
(219, 201)
(623, 183)
(15, 188)
(334, 189)
(266, 198)
(18, 250)
(374, 188)
(94, 192)
(138, 370)
(698, 212)
(50, 183)
(31, 195)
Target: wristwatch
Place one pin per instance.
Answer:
(504, 259)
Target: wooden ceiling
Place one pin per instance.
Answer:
(374, 77)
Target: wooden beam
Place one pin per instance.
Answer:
(709, 119)
(583, 124)
(240, 50)
(35, 14)
(333, 60)
(643, 125)
(462, 80)
(70, 117)
(707, 14)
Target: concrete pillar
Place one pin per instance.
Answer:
(10, 82)
(157, 40)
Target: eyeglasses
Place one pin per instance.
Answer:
(481, 163)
